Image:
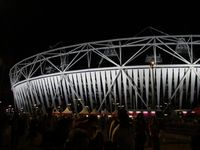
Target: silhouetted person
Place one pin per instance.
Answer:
(124, 136)
(154, 131)
(140, 129)
(112, 126)
(78, 140)
(33, 142)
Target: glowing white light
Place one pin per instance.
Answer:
(165, 114)
(145, 112)
(122, 106)
(130, 116)
(109, 116)
(184, 112)
(86, 115)
(138, 112)
(130, 112)
(152, 63)
(153, 112)
(98, 116)
(193, 112)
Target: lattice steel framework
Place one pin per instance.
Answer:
(104, 73)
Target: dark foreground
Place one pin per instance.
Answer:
(173, 141)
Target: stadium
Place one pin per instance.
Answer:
(139, 73)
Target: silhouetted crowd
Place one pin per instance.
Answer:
(47, 132)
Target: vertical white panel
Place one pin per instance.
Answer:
(99, 86)
(24, 98)
(21, 95)
(16, 105)
(175, 80)
(113, 76)
(49, 91)
(198, 82)
(27, 96)
(88, 77)
(169, 79)
(164, 80)
(108, 77)
(125, 88)
(141, 80)
(181, 75)
(20, 103)
(60, 87)
(17, 98)
(135, 80)
(80, 85)
(68, 88)
(57, 92)
(152, 78)
(130, 73)
(103, 82)
(193, 79)
(45, 91)
(146, 76)
(187, 81)
(34, 90)
(64, 89)
(74, 86)
(40, 94)
(94, 86)
(75, 83)
(84, 84)
(119, 84)
(30, 92)
(71, 85)
(176, 72)
(158, 78)
(52, 89)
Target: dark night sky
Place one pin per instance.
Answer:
(28, 27)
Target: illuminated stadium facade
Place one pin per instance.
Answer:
(139, 72)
